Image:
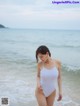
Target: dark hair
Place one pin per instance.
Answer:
(43, 50)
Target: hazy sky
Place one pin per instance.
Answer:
(39, 14)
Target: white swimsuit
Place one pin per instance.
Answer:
(48, 80)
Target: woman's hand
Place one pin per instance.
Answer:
(39, 88)
(60, 97)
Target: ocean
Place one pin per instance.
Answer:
(18, 64)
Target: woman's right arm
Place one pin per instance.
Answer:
(38, 76)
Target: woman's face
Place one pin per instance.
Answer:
(43, 57)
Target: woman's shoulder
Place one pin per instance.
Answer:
(58, 63)
(40, 64)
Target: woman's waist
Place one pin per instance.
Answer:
(43, 83)
(48, 81)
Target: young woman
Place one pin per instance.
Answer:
(48, 76)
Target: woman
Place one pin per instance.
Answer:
(48, 76)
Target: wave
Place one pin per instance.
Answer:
(70, 68)
(31, 63)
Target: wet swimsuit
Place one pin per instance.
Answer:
(48, 80)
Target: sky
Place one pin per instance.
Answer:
(40, 14)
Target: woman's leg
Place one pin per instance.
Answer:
(40, 98)
(50, 99)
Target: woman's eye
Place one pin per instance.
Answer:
(41, 57)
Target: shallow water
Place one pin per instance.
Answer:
(18, 64)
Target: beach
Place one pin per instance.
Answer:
(18, 64)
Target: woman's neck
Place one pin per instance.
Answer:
(48, 61)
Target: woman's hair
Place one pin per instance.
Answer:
(43, 50)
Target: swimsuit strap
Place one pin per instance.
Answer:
(43, 66)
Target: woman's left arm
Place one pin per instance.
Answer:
(59, 81)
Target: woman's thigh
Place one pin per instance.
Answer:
(50, 99)
(40, 98)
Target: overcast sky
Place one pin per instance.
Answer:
(39, 14)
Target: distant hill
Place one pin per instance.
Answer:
(2, 26)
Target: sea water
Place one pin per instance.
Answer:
(18, 63)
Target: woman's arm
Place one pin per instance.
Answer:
(38, 77)
(38, 74)
(59, 81)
